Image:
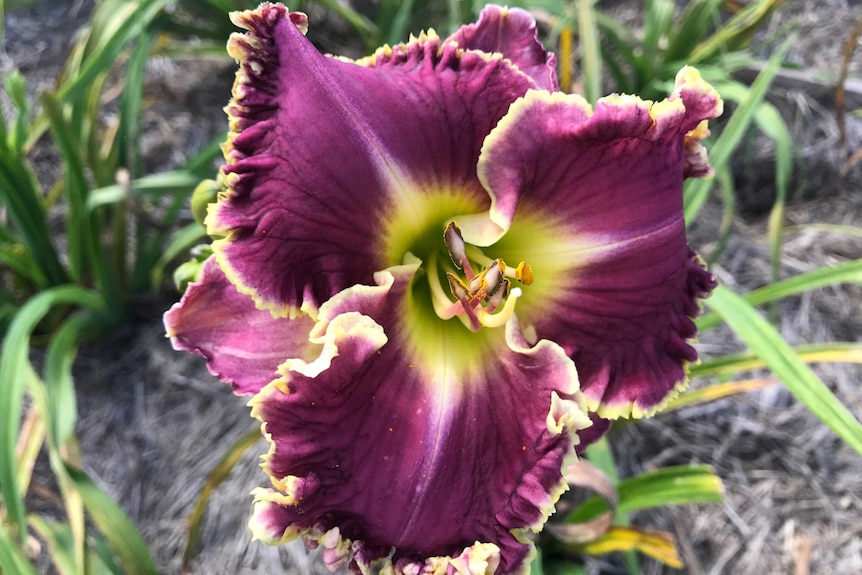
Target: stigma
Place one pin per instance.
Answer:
(482, 299)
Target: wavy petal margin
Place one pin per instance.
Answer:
(243, 345)
(325, 152)
(373, 448)
(512, 33)
(599, 196)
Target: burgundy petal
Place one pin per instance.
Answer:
(512, 33)
(326, 152)
(593, 200)
(424, 453)
(243, 345)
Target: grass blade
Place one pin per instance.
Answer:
(765, 342)
(21, 262)
(33, 432)
(658, 18)
(116, 23)
(61, 545)
(216, 477)
(591, 58)
(715, 392)
(59, 386)
(115, 526)
(153, 184)
(827, 228)
(724, 178)
(658, 545)
(845, 352)
(676, 485)
(770, 122)
(736, 32)
(76, 181)
(21, 196)
(848, 272)
(720, 152)
(693, 24)
(182, 241)
(601, 455)
(14, 367)
(12, 560)
(131, 104)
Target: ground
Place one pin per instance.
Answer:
(154, 422)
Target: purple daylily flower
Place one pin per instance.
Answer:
(439, 278)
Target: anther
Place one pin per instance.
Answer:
(479, 297)
(524, 273)
(457, 249)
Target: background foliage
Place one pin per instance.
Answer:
(86, 254)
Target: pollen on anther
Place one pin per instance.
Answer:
(524, 273)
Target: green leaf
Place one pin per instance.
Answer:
(106, 557)
(216, 477)
(591, 59)
(14, 367)
(21, 262)
(130, 107)
(692, 27)
(828, 228)
(724, 178)
(812, 353)
(78, 222)
(601, 455)
(715, 392)
(769, 121)
(154, 184)
(119, 531)
(398, 22)
(658, 545)
(696, 191)
(12, 560)
(59, 385)
(737, 32)
(16, 87)
(536, 563)
(115, 24)
(22, 197)
(564, 566)
(765, 342)
(676, 485)
(657, 23)
(183, 240)
(848, 272)
(61, 544)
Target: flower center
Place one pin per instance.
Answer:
(481, 299)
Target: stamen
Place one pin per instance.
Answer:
(495, 299)
(457, 249)
(459, 290)
(457, 287)
(494, 277)
(523, 272)
(481, 295)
